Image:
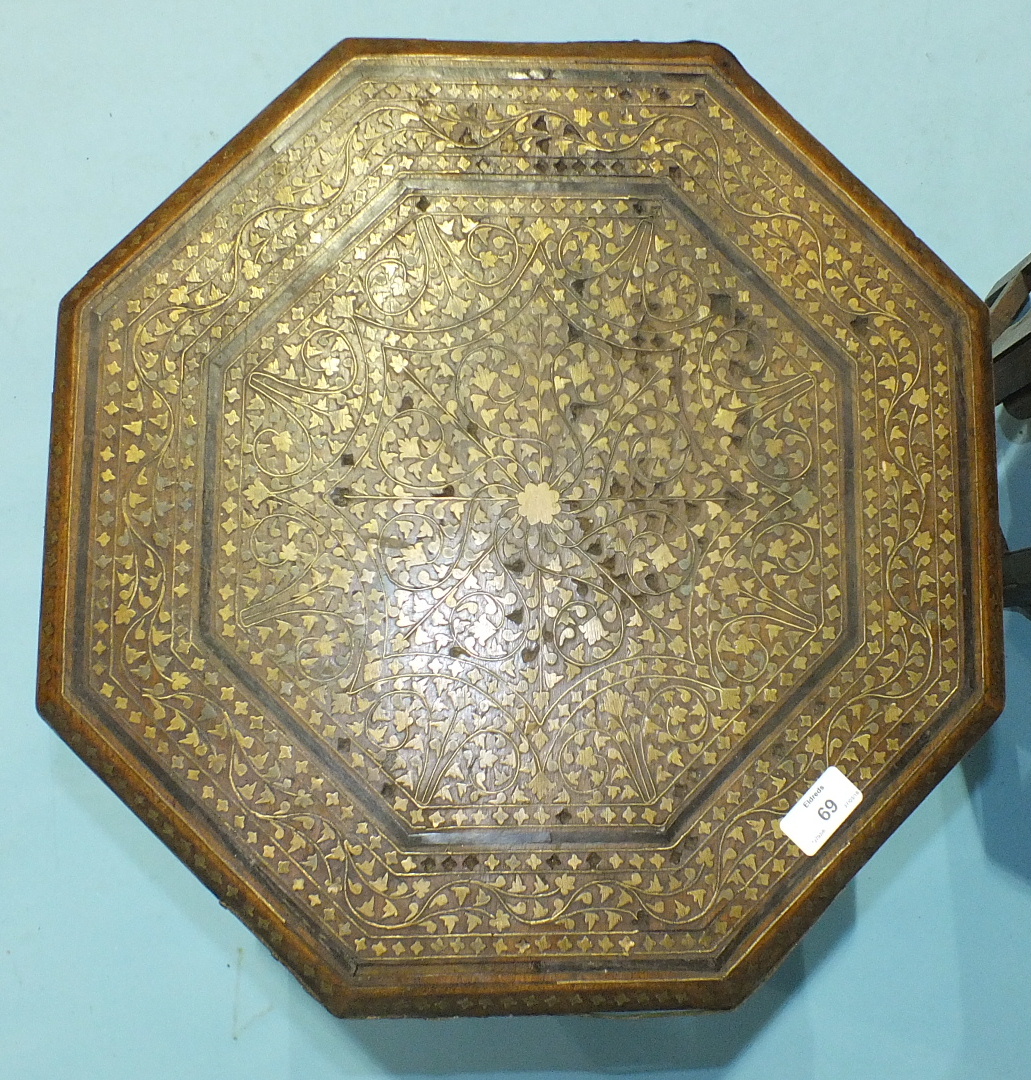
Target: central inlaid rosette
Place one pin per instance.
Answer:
(538, 503)
(521, 515)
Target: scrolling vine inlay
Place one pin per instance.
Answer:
(532, 504)
(497, 495)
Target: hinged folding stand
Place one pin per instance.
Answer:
(1010, 326)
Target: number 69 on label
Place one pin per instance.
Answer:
(814, 819)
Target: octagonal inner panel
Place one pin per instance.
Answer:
(526, 507)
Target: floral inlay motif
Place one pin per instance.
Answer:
(500, 497)
(527, 505)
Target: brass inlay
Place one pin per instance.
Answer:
(528, 508)
(450, 478)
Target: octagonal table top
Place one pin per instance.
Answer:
(486, 498)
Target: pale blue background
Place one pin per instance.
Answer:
(114, 962)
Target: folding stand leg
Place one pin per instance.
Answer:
(1010, 325)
